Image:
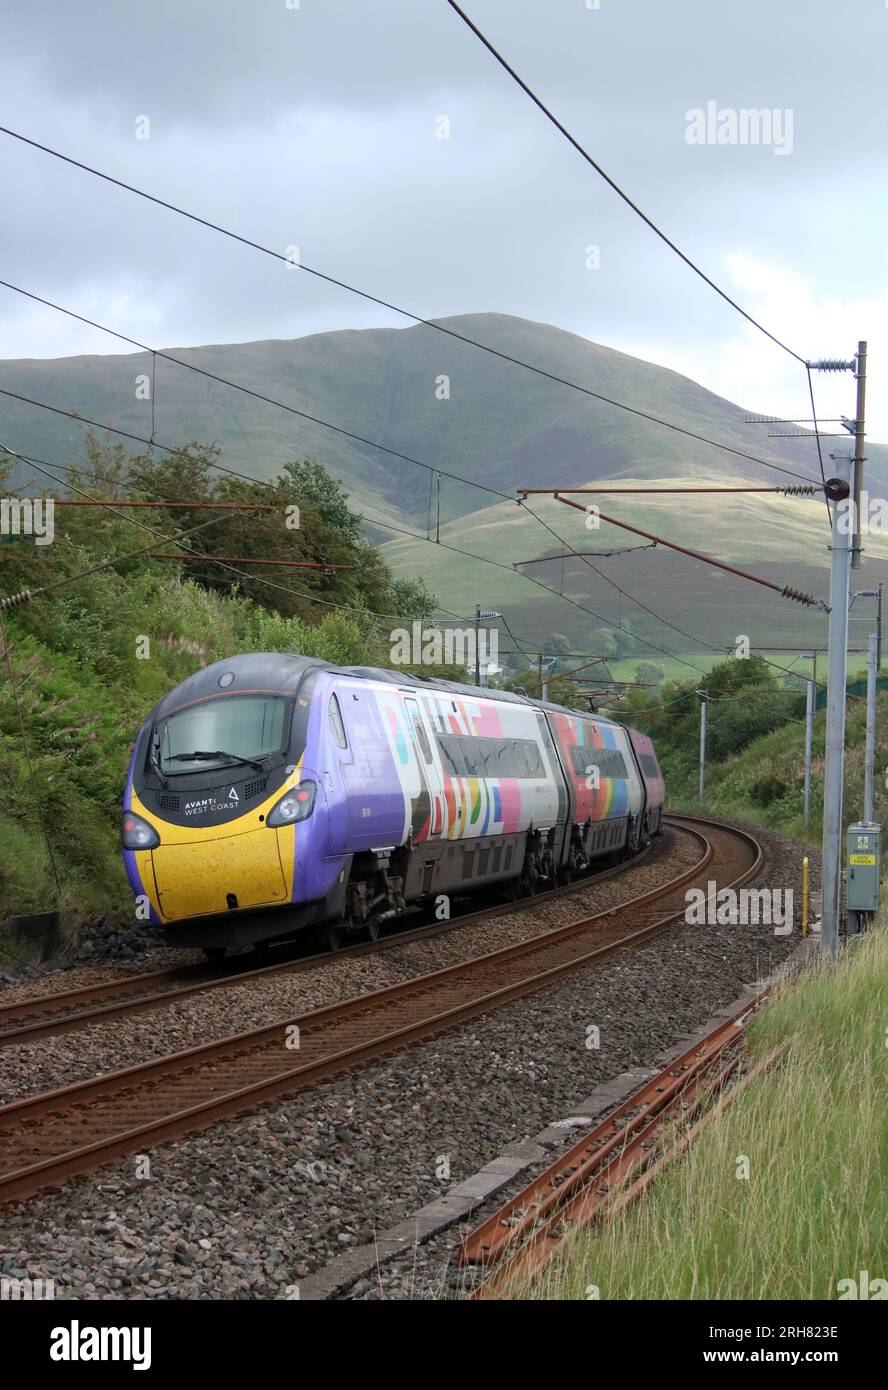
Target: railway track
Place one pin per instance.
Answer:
(29, 1019)
(49, 1137)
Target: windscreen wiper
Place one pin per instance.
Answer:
(154, 759)
(201, 755)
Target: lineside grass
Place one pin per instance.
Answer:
(814, 1208)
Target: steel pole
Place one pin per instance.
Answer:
(809, 742)
(834, 764)
(871, 673)
(477, 648)
(703, 703)
(859, 445)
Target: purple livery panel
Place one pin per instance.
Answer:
(650, 769)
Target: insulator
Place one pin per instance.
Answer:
(16, 600)
(801, 490)
(832, 364)
(798, 596)
(837, 489)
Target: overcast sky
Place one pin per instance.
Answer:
(316, 126)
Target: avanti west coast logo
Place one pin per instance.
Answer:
(76, 1343)
(31, 518)
(206, 805)
(739, 907)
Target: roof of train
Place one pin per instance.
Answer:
(291, 668)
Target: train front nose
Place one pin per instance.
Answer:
(221, 874)
(244, 858)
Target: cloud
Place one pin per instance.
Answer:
(317, 126)
(817, 325)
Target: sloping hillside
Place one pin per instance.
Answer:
(501, 426)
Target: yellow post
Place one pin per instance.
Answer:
(805, 896)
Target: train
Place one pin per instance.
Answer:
(269, 794)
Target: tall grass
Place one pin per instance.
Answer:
(814, 1130)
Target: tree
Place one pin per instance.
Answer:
(310, 482)
(308, 525)
(624, 643)
(646, 673)
(412, 599)
(604, 643)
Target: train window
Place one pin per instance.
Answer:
(609, 762)
(477, 756)
(521, 758)
(473, 757)
(336, 723)
(251, 727)
(532, 759)
(419, 732)
(452, 759)
(649, 765)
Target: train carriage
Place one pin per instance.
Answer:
(270, 793)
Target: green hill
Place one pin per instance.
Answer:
(501, 426)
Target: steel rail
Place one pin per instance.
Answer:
(631, 1173)
(47, 1014)
(51, 1136)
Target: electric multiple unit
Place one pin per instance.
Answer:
(269, 793)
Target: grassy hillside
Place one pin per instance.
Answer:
(758, 776)
(500, 426)
(782, 540)
(765, 781)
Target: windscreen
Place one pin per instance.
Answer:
(222, 732)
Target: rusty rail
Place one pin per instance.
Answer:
(614, 1163)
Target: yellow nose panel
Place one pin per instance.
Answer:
(195, 879)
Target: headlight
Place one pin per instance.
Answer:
(295, 805)
(137, 833)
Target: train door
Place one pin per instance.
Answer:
(337, 772)
(635, 788)
(429, 770)
(373, 795)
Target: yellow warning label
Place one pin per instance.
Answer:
(862, 858)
